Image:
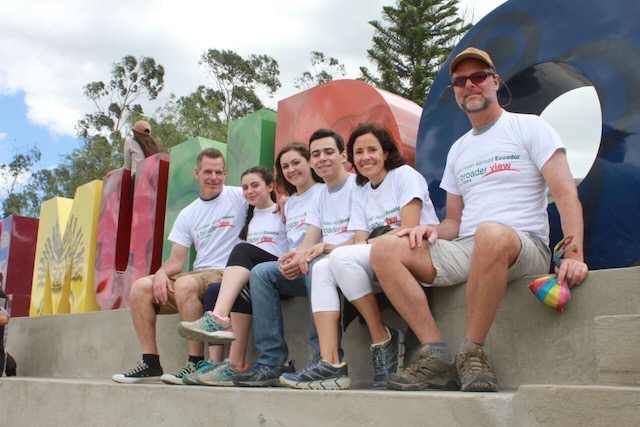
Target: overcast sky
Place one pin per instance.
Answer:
(51, 49)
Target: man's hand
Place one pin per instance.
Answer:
(419, 233)
(161, 286)
(573, 271)
(290, 265)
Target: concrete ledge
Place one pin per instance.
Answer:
(103, 403)
(529, 343)
(99, 344)
(576, 406)
(617, 341)
(55, 402)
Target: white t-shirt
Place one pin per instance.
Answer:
(213, 227)
(381, 206)
(268, 232)
(296, 211)
(497, 173)
(132, 155)
(331, 213)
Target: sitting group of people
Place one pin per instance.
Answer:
(361, 234)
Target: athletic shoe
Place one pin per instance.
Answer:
(189, 368)
(263, 375)
(320, 375)
(209, 328)
(474, 370)
(202, 367)
(387, 357)
(221, 375)
(141, 373)
(426, 372)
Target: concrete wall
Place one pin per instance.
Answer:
(529, 343)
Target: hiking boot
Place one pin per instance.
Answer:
(320, 375)
(189, 368)
(208, 328)
(141, 373)
(202, 367)
(263, 375)
(474, 370)
(387, 357)
(426, 372)
(221, 375)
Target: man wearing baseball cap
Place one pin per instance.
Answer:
(496, 230)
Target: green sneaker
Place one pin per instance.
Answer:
(222, 375)
(202, 367)
(208, 328)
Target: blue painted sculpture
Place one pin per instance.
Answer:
(542, 50)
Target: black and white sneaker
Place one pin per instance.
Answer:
(141, 373)
(189, 368)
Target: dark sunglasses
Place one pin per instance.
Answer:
(476, 78)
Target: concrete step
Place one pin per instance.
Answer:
(617, 340)
(529, 343)
(75, 402)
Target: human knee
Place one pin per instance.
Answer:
(494, 237)
(259, 277)
(185, 286)
(141, 289)
(382, 247)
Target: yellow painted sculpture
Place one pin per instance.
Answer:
(63, 280)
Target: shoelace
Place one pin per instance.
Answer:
(474, 363)
(189, 368)
(141, 366)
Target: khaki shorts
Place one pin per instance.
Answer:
(452, 259)
(204, 278)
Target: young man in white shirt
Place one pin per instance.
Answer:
(326, 227)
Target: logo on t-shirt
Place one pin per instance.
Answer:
(486, 167)
(225, 221)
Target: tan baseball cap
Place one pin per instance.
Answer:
(471, 53)
(142, 126)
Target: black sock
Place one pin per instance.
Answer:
(152, 360)
(195, 359)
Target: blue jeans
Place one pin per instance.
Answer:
(267, 285)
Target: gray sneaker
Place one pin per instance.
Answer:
(319, 375)
(426, 372)
(189, 368)
(474, 370)
(263, 375)
(387, 357)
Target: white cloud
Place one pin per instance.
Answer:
(50, 50)
(2, 136)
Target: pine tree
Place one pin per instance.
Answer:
(411, 44)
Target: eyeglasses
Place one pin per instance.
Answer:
(476, 78)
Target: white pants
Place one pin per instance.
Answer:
(347, 267)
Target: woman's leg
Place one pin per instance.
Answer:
(325, 304)
(242, 327)
(352, 269)
(234, 279)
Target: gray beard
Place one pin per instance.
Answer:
(484, 106)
